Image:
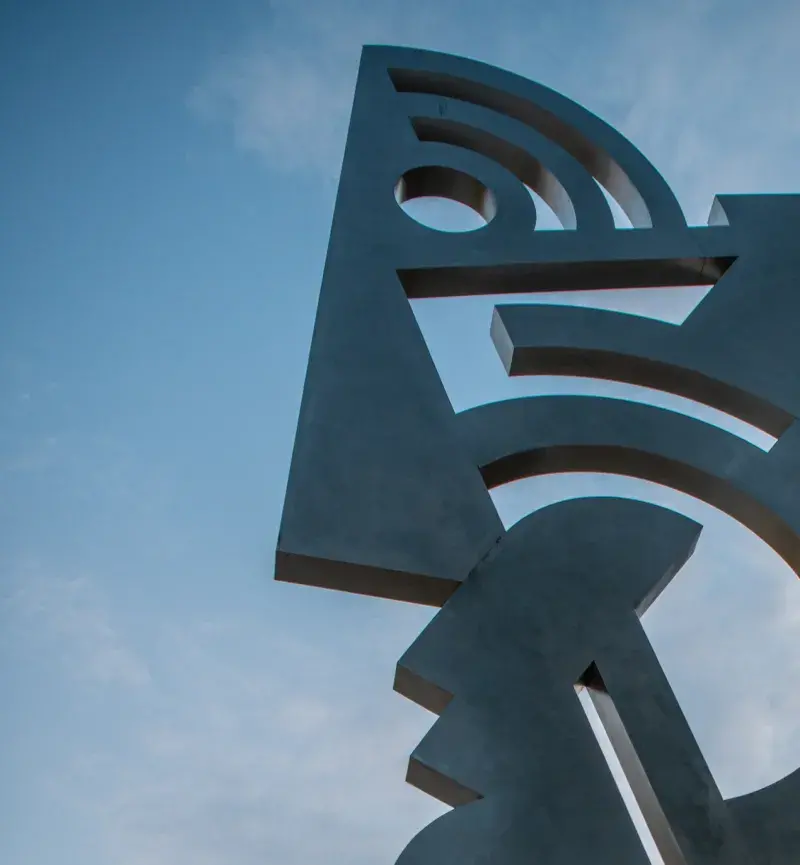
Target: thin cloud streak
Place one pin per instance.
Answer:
(702, 90)
(285, 758)
(70, 614)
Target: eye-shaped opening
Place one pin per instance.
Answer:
(445, 199)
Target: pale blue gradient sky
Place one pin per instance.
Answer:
(168, 175)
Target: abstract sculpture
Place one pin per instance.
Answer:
(388, 489)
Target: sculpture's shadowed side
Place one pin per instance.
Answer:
(377, 440)
(737, 351)
(522, 438)
(388, 488)
(559, 596)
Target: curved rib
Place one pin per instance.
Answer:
(539, 163)
(570, 340)
(607, 155)
(542, 435)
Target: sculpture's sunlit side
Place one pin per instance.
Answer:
(388, 489)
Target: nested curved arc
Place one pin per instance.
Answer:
(534, 436)
(546, 168)
(527, 168)
(607, 155)
(473, 179)
(596, 343)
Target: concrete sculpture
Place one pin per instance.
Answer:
(388, 488)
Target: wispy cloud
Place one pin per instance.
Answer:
(709, 95)
(227, 741)
(284, 758)
(704, 88)
(259, 744)
(68, 618)
(250, 747)
(287, 92)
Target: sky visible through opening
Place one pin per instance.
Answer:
(169, 172)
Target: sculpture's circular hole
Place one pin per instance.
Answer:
(445, 199)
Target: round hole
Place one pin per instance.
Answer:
(445, 199)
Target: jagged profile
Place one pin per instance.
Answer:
(561, 595)
(388, 491)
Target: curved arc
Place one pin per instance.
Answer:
(538, 162)
(533, 436)
(528, 170)
(515, 210)
(549, 339)
(449, 183)
(609, 157)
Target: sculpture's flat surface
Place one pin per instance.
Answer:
(388, 490)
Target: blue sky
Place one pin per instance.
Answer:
(168, 178)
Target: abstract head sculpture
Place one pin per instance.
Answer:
(388, 489)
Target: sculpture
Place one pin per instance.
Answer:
(388, 489)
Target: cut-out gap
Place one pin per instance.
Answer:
(735, 601)
(627, 771)
(443, 214)
(456, 331)
(596, 160)
(516, 160)
(546, 219)
(621, 219)
(445, 199)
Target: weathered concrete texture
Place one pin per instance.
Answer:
(388, 489)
